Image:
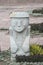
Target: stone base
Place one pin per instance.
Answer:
(22, 58)
(31, 58)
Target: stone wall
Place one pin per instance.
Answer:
(19, 2)
(4, 34)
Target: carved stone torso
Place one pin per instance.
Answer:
(19, 35)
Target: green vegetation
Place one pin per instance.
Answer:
(36, 49)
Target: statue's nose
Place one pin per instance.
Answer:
(19, 24)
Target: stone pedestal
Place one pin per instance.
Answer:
(19, 34)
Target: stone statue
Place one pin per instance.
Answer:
(19, 34)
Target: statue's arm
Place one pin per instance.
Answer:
(25, 46)
(13, 45)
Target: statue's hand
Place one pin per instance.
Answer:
(25, 46)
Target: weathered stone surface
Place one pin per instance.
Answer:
(19, 34)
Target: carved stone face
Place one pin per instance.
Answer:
(19, 24)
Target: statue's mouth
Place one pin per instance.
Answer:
(19, 29)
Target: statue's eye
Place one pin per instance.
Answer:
(24, 22)
(14, 24)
